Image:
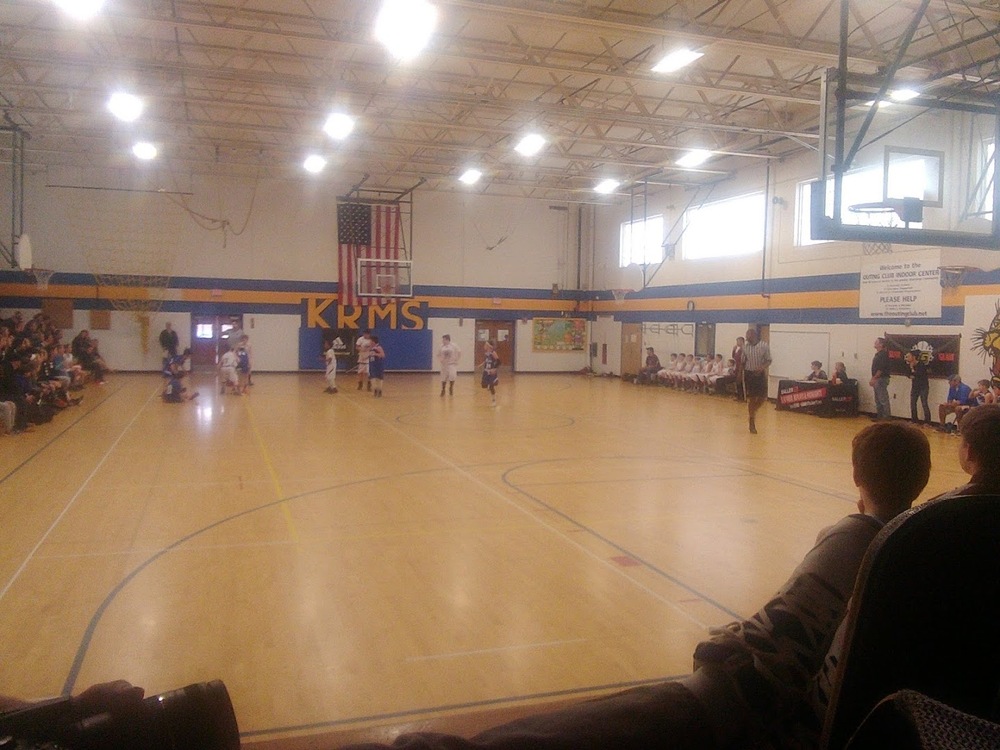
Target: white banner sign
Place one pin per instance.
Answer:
(901, 286)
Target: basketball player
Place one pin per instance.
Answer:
(448, 356)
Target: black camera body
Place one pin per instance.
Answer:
(196, 717)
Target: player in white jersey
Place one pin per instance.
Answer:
(448, 356)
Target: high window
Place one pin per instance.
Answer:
(641, 241)
(723, 229)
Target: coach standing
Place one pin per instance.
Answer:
(756, 360)
(169, 343)
(880, 381)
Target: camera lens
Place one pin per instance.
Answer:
(196, 717)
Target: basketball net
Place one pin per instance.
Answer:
(129, 240)
(41, 276)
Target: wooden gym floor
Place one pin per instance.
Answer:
(340, 560)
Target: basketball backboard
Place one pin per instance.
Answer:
(384, 278)
(898, 166)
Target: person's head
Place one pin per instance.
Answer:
(168, 325)
(752, 336)
(740, 341)
(446, 339)
(984, 385)
(816, 364)
(892, 463)
(839, 367)
(910, 358)
(879, 344)
(490, 346)
(367, 333)
(374, 339)
(979, 451)
(955, 380)
(673, 356)
(649, 350)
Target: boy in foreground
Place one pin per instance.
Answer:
(752, 679)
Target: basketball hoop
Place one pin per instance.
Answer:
(42, 276)
(619, 294)
(876, 248)
(879, 215)
(953, 276)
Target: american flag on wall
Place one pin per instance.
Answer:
(366, 230)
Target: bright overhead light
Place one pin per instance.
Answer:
(904, 95)
(314, 163)
(607, 186)
(694, 158)
(80, 9)
(676, 60)
(338, 126)
(405, 26)
(530, 145)
(470, 176)
(126, 107)
(144, 150)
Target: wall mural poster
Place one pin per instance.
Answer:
(986, 341)
(939, 353)
(558, 334)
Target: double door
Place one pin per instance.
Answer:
(501, 332)
(209, 333)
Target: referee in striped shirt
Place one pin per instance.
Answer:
(756, 360)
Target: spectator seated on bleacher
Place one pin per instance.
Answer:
(720, 383)
(671, 363)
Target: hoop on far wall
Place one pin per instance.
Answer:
(619, 294)
(953, 276)
(41, 276)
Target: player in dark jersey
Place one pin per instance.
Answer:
(491, 370)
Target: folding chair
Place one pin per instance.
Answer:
(925, 617)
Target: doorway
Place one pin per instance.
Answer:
(631, 349)
(501, 332)
(208, 334)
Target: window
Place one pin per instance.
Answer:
(725, 228)
(985, 176)
(641, 242)
(203, 331)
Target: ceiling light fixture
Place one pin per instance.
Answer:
(676, 60)
(80, 9)
(903, 95)
(530, 145)
(607, 186)
(314, 163)
(470, 176)
(404, 27)
(126, 107)
(338, 126)
(694, 158)
(144, 150)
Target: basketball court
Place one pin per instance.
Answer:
(341, 561)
